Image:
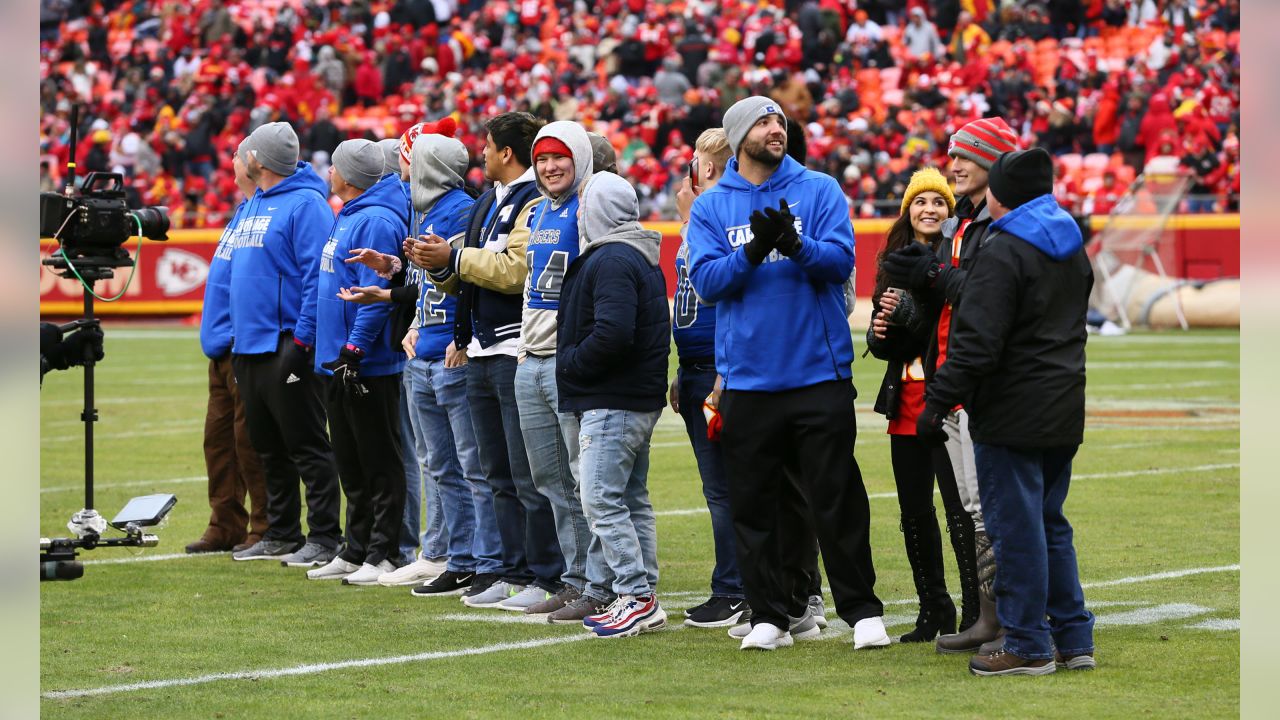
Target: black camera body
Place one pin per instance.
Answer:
(97, 221)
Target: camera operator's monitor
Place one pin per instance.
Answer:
(144, 511)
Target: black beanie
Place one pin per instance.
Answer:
(1017, 178)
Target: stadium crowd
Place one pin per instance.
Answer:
(167, 88)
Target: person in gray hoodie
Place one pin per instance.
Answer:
(562, 161)
(611, 371)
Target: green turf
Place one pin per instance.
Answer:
(189, 617)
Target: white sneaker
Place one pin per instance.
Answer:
(418, 572)
(368, 574)
(337, 569)
(765, 636)
(737, 632)
(869, 632)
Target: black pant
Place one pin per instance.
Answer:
(810, 430)
(914, 468)
(286, 425)
(366, 445)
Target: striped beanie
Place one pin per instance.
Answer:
(982, 141)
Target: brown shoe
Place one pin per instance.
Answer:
(205, 546)
(576, 611)
(994, 645)
(1003, 662)
(1079, 661)
(555, 602)
(249, 542)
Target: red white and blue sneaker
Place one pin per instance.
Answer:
(631, 615)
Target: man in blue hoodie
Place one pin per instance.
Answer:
(362, 365)
(273, 270)
(231, 462)
(1016, 363)
(772, 246)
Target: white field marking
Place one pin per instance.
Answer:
(502, 616)
(165, 367)
(1184, 404)
(1098, 425)
(311, 669)
(167, 381)
(152, 558)
(1217, 624)
(123, 401)
(1152, 615)
(168, 428)
(684, 511)
(1154, 471)
(139, 483)
(1164, 386)
(171, 334)
(1165, 340)
(1168, 575)
(1161, 365)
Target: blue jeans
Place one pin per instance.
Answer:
(695, 384)
(442, 423)
(417, 479)
(530, 549)
(615, 495)
(1023, 490)
(551, 441)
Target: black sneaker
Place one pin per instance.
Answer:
(719, 612)
(480, 583)
(447, 583)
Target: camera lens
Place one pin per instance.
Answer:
(154, 221)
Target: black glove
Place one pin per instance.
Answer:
(929, 426)
(299, 361)
(65, 353)
(788, 240)
(763, 238)
(914, 266)
(346, 370)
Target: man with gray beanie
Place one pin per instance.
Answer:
(361, 364)
(273, 273)
(1016, 361)
(772, 246)
(939, 277)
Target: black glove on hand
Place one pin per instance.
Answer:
(298, 362)
(788, 240)
(346, 370)
(929, 426)
(914, 266)
(763, 238)
(65, 353)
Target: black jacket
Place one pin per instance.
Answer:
(951, 281)
(1016, 360)
(907, 338)
(614, 332)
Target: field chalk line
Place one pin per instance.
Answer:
(314, 668)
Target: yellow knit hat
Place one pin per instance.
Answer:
(928, 180)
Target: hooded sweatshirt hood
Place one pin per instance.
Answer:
(610, 213)
(304, 178)
(437, 167)
(788, 171)
(575, 137)
(385, 195)
(1044, 224)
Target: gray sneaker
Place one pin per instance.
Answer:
(567, 595)
(573, 613)
(525, 599)
(266, 550)
(818, 609)
(309, 555)
(805, 627)
(494, 596)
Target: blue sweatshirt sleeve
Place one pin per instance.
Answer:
(311, 226)
(716, 270)
(827, 247)
(384, 237)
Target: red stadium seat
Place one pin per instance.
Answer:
(1071, 161)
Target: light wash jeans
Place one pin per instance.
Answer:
(614, 465)
(418, 480)
(442, 425)
(551, 442)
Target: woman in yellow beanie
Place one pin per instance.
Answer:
(899, 334)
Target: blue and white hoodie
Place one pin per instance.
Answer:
(215, 315)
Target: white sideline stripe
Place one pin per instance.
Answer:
(123, 401)
(152, 558)
(1165, 340)
(1155, 471)
(1165, 386)
(120, 435)
(313, 668)
(1152, 615)
(1217, 624)
(1169, 575)
(139, 483)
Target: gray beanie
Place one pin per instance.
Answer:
(360, 162)
(743, 114)
(603, 157)
(242, 150)
(391, 155)
(275, 145)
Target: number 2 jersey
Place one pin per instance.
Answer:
(435, 310)
(693, 322)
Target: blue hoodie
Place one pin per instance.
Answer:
(780, 325)
(215, 316)
(378, 219)
(693, 323)
(1044, 224)
(273, 267)
(436, 310)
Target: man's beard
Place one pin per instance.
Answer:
(759, 151)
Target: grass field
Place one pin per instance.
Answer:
(1155, 507)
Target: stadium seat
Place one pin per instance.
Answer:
(1096, 162)
(1071, 161)
(1091, 185)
